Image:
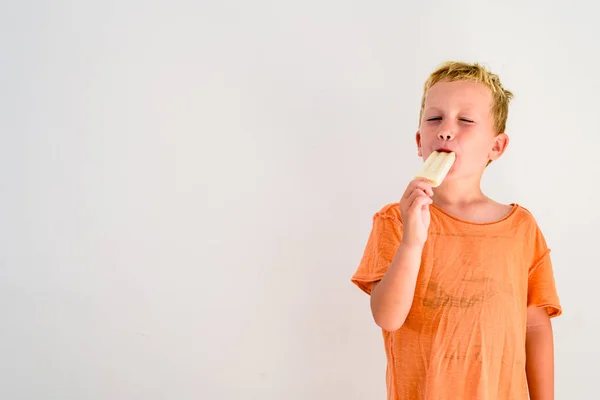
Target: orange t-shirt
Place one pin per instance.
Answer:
(464, 337)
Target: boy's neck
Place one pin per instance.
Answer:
(459, 193)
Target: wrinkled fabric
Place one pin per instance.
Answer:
(464, 337)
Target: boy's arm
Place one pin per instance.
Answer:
(392, 297)
(539, 347)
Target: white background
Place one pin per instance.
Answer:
(187, 187)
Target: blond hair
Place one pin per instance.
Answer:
(460, 71)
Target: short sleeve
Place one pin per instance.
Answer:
(383, 242)
(541, 288)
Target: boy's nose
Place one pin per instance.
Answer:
(446, 135)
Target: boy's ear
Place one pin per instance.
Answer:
(500, 143)
(418, 139)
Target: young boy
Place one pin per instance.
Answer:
(462, 286)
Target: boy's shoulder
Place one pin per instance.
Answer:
(390, 211)
(524, 215)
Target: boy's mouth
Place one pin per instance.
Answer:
(444, 150)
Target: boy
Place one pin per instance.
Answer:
(462, 286)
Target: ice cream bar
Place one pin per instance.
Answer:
(436, 167)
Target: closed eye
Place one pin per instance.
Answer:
(440, 118)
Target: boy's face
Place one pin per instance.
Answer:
(458, 117)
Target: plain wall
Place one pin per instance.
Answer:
(187, 187)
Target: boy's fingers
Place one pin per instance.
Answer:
(422, 184)
(409, 197)
(413, 196)
(416, 210)
(422, 201)
(418, 199)
(422, 189)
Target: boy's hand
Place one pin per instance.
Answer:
(414, 208)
